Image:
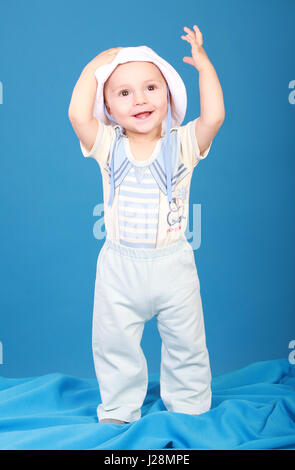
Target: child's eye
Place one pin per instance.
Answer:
(126, 91)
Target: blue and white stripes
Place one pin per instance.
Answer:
(138, 209)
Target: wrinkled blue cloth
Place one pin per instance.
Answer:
(252, 408)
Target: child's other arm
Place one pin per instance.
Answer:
(212, 107)
(211, 96)
(80, 110)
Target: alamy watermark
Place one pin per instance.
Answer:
(1, 353)
(292, 353)
(1, 93)
(175, 218)
(291, 96)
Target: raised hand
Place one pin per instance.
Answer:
(199, 56)
(104, 57)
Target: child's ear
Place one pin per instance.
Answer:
(170, 99)
(105, 100)
(107, 106)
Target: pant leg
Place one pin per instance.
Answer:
(185, 378)
(120, 310)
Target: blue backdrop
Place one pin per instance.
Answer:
(49, 191)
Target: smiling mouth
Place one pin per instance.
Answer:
(143, 116)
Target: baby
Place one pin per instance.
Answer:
(121, 109)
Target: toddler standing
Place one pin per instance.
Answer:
(126, 110)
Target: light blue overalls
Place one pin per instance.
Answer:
(132, 286)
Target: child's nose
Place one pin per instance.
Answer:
(140, 97)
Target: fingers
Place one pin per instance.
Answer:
(114, 49)
(193, 35)
(189, 32)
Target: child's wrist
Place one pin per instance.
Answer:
(204, 65)
(90, 68)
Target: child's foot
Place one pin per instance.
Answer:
(109, 420)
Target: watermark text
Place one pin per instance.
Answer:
(292, 353)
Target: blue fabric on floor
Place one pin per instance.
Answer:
(252, 408)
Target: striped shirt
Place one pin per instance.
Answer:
(138, 208)
(146, 217)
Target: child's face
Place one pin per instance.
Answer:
(134, 87)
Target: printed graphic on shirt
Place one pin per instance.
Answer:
(138, 208)
(176, 210)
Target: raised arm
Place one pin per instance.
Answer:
(211, 97)
(80, 110)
